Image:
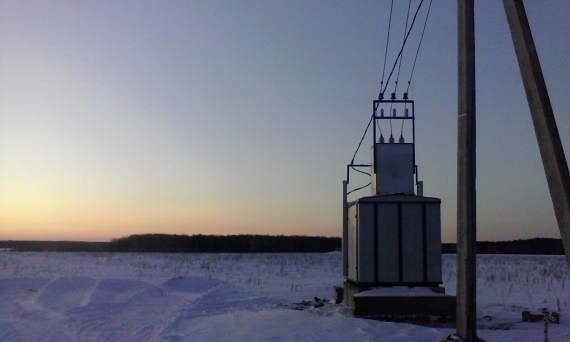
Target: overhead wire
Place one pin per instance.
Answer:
(402, 58)
(403, 45)
(387, 43)
(384, 70)
(354, 156)
(361, 139)
(398, 74)
(363, 172)
(419, 45)
(385, 60)
(397, 62)
(399, 69)
(360, 188)
(416, 58)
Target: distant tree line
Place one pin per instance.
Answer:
(255, 244)
(55, 246)
(529, 246)
(226, 244)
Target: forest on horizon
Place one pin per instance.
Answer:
(167, 243)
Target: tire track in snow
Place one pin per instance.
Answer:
(131, 310)
(87, 298)
(33, 321)
(117, 310)
(222, 299)
(193, 288)
(33, 304)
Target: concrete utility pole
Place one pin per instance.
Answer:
(551, 150)
(466, 324)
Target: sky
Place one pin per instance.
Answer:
(239, 117)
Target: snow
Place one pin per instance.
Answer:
(248, 297)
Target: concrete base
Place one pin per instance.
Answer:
(397, 300)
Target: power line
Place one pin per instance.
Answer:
(360, 188)
(419, 45)
(361, 139)
(398, 62)
(405, 31)
(387, 43)
(402, 48)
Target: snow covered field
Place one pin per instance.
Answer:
(247, 297)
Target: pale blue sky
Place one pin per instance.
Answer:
(239, 117)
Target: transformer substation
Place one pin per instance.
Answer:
(392, 239)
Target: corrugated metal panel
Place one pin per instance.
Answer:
(395, 239)
(412, 242)
(352, 242)
(433, 242)
(387, 241)
(366, 252)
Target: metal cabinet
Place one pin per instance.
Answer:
(394, 240)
